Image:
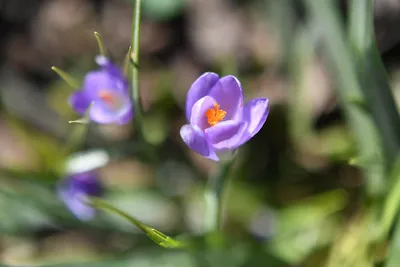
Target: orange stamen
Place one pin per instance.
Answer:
(215, 115)
(107, 96)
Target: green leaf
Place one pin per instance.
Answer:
(373, 77)
(162, 9)
(158, 237)
(365, 161)
(100, 43)
(77, 135)
(71, 81)
(306, 225)
(312, 210)
(237, 255)
(391, 204)
(80, 121)
(127, 60)
(393, 259)
(326, 23)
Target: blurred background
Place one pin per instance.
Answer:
(293, 199)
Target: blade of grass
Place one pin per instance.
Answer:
(373, 78)
(325, 21)
(393, 259)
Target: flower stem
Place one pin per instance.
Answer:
(135, 57)
(214, 197)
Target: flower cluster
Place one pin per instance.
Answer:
(218, 121)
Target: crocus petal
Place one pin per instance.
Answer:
(109, 67)
(126, 117)
(196, 140)
(95, 81)
(255, 113)
(79, 101)
(87, 182)
(100, 114)
(74, 190)
(73, 199)
(229, 95)
(226, 135)
(198, 114)
(200, 88)
(81, 210)
(102, 61)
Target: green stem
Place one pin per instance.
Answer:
(135, 57)
(214, 197)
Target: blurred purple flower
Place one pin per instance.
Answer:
(219, 120)
(73, 192)
(106, 93)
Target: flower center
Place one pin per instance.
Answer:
(107, 97)
(111, 100)
(215, 115)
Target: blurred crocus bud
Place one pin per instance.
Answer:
(75, 189)
(82, 182)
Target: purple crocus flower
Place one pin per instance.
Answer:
(106, 93)
(73, 192)
(219, 119)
